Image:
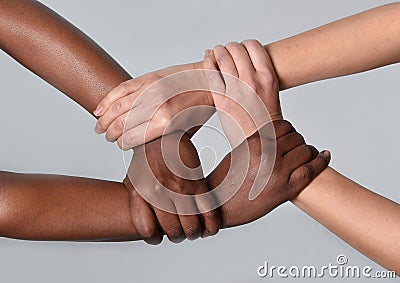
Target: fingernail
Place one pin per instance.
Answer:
(327, 153)
(207, 52)
(98, 129)
(98, 110)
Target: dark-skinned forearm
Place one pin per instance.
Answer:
(58, 52)
(49, 207)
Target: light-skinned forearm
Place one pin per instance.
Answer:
(358, 43)
(365, 220)
(362, 218)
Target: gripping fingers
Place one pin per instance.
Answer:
(143, 219)
(114, 112)
(190, 223)
(144, 133)
(171, 225)
(288, 142)
(122, 90)
(241, 60)
(210, 218)
(304, 174)
(258, 55)
(299, 156)
(225, 61)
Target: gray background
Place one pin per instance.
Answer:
(42, 131)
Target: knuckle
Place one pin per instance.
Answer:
(268, 81)
(117, 107)
(309, 172)
(158, 188)
(252, 83)
(163, 119)
(119, 124)
(153, 77)
(175, 233)
(282, 127)
(221, 57)
(193, 231)
(177, 186)
(124, 87)
(128, 141)
(251, 43)
(148, 231)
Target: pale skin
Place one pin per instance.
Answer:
(48, 207)
(289, 75)
(355, 44)
(61, 54)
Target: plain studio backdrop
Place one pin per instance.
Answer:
(43, 131)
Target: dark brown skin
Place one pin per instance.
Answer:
(45, 207)
(175, 225)
(58, 52)
(61, 54)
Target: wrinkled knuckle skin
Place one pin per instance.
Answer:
(221, 58)
(124, 87)
(268, 81)
(175, 234)
(314, 151)
(128, 141)
(253, 84)
(309, 172)
(119, 124)
(193, 232)
(283, 126)
(117, 107)
(175, 184)
(148, 232)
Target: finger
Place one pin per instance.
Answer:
(143, 219)
(117, 108)
(288, 142)
(282, 127)
(299, 156)
(225, 61)
(303, 175)
(171, 225)
(121, 90)
(117, 128)
(214, 78)
(190, 223)
(207, 206)
(258, 55)
(241, 60)
(126, 123)
(209, 61)
(144, 133)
